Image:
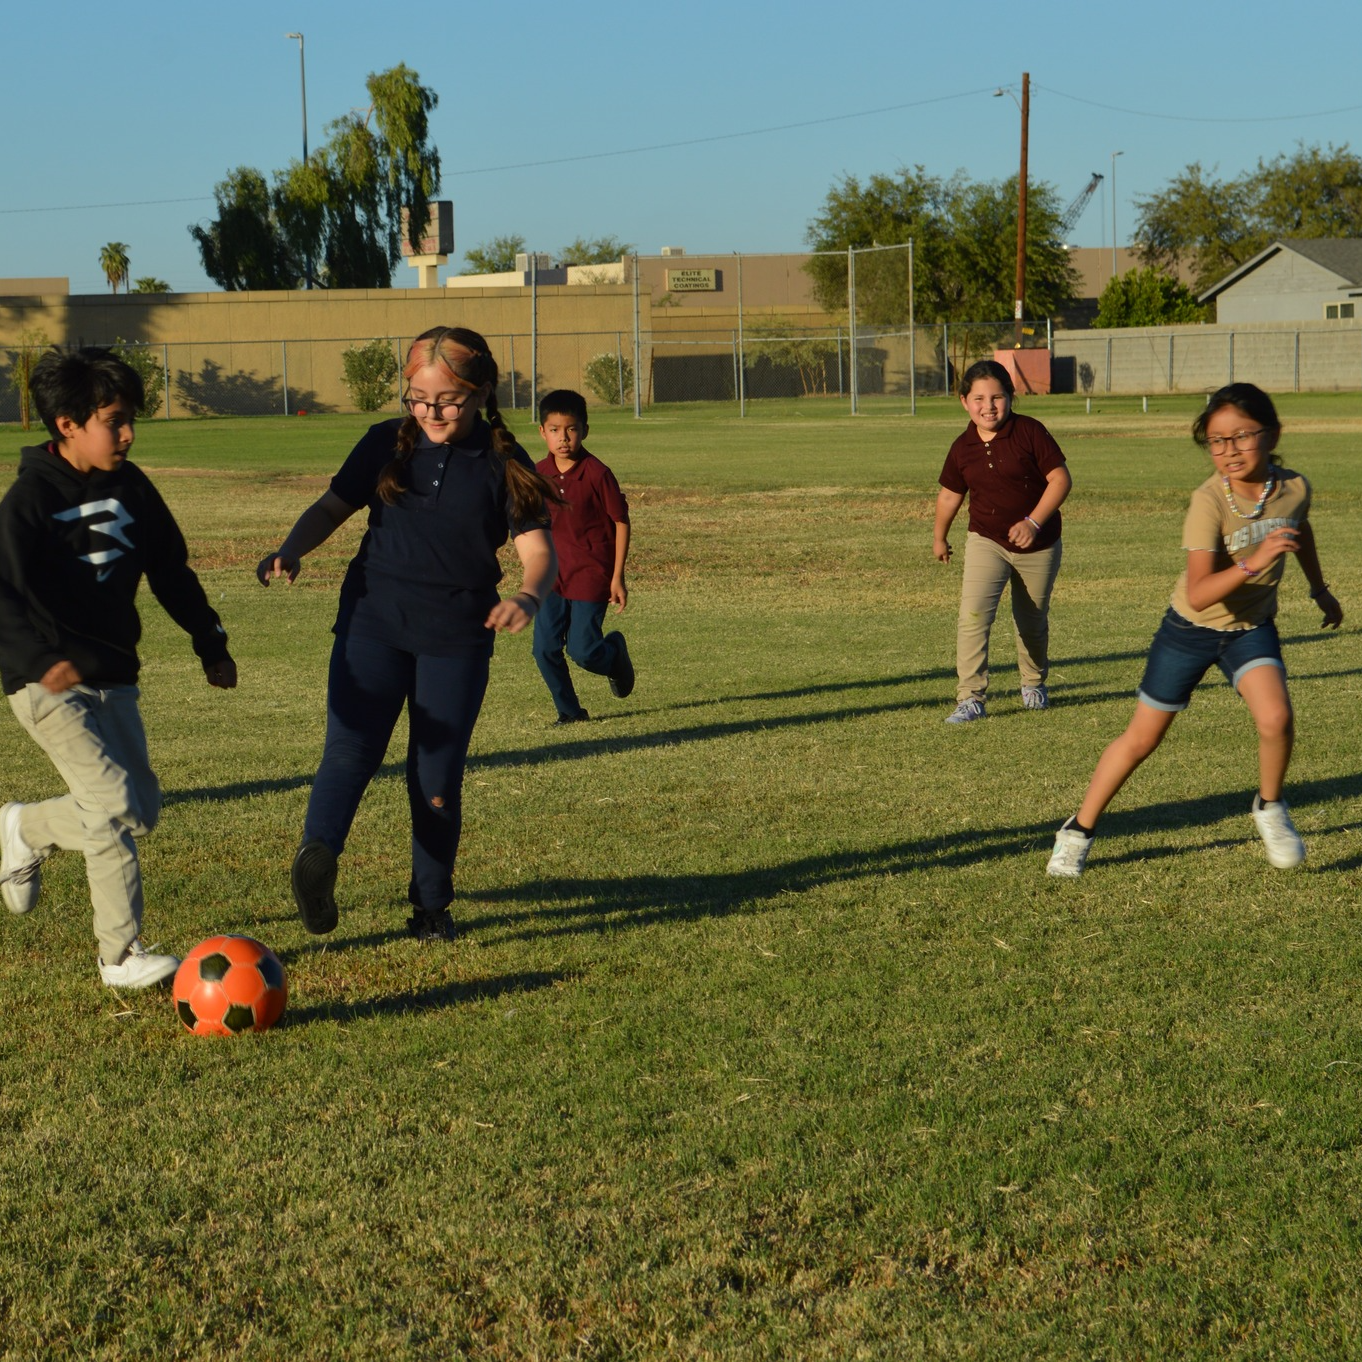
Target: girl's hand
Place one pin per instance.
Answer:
(276, 565)
(942, 550)
(1279, 542)
(1333, 612)
(1022, 534)
(509, 616)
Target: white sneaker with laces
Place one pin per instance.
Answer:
(1285, 849)
(1071, 852)
(20, 865)
(966, 712)
(1035, 697)
(139, 968)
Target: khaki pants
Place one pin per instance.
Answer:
(96, 741)
(988, 569)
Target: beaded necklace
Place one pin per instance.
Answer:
(1257, 505)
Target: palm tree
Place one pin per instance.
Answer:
(113, 260)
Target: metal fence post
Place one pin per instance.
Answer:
(1297, 386)
(512, 370)
(912, 339)
(1230, 379)
(283, 346)
(1108, 363)
(742, 356)
(165, 369)
(638, 353)
(534, 329)
(619, 356)
(840, 383)
(851, 315)
(1170, 361)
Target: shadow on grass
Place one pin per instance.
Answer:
(423, 1000)
(1069, 696)
(551, 906)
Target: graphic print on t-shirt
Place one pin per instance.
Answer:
(113, 528)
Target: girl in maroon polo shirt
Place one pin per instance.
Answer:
(1016, 479)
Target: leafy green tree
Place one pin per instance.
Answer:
(32, 341)
(1210, 227)
(494, 257)
(779, 343)
(602, 374)
(148, 362)
(1147, 297)
(113, 260)
(245, 247)
(149, 283)
(601, 250)
(964, 237)
(371, 374)
(342, 209)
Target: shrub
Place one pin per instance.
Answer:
(371, 374)
(602, 376)
(149, 363)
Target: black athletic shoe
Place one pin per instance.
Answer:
(432, 924)
(314, 887)
(622, 673)
(571, 718)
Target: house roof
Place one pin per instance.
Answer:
(1341, 256)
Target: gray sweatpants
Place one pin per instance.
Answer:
(96, 741)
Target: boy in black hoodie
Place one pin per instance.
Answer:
(79, 528)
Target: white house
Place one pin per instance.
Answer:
(1293, 280)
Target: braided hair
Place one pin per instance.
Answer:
(467, 358)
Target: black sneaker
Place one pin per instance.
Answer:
(622, 673)
(314, 887)
(432, 924)
(571, 718)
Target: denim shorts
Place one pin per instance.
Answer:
(1182, 653)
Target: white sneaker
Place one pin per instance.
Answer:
(139, 968)
(1035, 697)
(20, 865)
(1285, 849)
(966, 712)
(1071, 852)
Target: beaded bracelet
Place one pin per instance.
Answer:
(1242, 565)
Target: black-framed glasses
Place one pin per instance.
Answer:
(1241, 440)
(439, 411)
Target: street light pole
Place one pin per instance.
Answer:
(1114, 155)
(302, 82)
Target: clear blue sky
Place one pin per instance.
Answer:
(121, 119)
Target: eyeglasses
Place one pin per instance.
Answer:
(439, 411)
(1241, 440)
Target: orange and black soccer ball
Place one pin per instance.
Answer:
(230, 984)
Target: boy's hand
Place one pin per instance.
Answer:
(221, 674)
(276, 565)
(619, 594)
(60, 676)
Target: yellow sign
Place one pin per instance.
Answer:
(692, 281)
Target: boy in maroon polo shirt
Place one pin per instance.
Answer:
(591, 536)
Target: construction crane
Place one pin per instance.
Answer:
(1075, 210)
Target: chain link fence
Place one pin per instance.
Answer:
(829, 328)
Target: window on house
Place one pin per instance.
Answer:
(1339, 312)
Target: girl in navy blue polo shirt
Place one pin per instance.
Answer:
(419, 609)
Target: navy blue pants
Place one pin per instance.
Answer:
(574, 627)
(369, 682)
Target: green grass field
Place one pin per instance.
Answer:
(768, 1036)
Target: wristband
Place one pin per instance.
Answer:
(1242, 565)
(1032, 523)
(1323, 591)
(532, 596)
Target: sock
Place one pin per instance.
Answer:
(1078, 827)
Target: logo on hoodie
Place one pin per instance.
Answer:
(113, 528)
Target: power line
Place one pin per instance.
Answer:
(136, 203)
(1193, 118)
